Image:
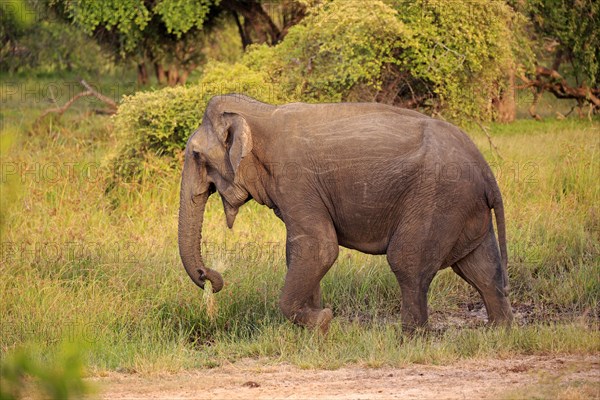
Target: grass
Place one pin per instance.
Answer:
(103, 270)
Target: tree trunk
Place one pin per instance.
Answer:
(255, 20)
(183, 77)
(161, 75)
(246, 41)
(506, 106)
(173, 75)
(142, 74)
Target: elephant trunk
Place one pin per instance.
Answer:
(193, 197)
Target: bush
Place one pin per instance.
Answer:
(338, 47)
(463, 53)
(452, 58)
(449, 58)
(59, 378)
(159, 122)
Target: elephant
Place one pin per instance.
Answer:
(366, 176)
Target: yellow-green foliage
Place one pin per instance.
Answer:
(340, 45)
(60, 378)
(463, 51)
(162, 120)
(159, 122)
(456, 54)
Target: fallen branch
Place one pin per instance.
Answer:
(88, 92)
(550, 80)
(99, 96)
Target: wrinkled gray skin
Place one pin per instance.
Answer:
(366, 176)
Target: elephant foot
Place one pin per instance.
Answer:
(498, 308)
(309, 317)
(324, 318)
(503, 318)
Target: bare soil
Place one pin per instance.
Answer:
(569, 377)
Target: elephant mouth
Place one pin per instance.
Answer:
(211, 188)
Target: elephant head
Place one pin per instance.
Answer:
(213, 155)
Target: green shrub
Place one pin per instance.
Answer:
(463, 53)
(159, 122)
(59, 378)
(451, 58)
(339, 46)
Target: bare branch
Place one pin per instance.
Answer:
(550, 80)
(492, 145)
(99, 96)
(89, 92)
(65, 107)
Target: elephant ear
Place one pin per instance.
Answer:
(231, 129)
(238, 139)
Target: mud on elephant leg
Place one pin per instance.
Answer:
(483, 270)
(308, 261)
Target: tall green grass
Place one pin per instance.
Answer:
(549, 178)
(79, 265)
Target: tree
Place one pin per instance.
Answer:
(568, 50)
(169, 34)
(166, 34)
(256, 25)
(454, 58)
(36, 37)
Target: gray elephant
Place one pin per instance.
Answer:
(366, 176)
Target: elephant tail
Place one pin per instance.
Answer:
(494, 198)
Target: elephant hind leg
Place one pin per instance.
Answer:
(415, 269)
(482, 269)
(414, 288)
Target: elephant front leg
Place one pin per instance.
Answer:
(308, 261)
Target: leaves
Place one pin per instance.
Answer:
(180, 16)
(137, 27)
(573, 24)
(159, 122)
(462, 51)
(450, 57)
(128, 18)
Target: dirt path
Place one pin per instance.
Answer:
(571, 377)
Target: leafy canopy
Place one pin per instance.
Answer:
(452, 58)
(574, 24)
(132, 19)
